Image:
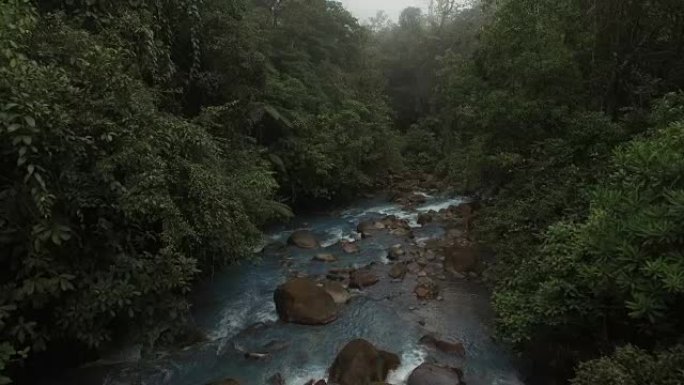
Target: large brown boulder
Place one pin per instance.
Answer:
(460, 259)
(362, 278)
(360, 363)
(428, 374)
(303, 239)
(301, 301)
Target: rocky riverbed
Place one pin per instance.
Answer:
(387, 291)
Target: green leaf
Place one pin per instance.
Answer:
(30, 121)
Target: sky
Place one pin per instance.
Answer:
(364, 9)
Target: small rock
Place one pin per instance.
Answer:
(361, 278)
(421, 322)
(424, 218)
(426, 289)
(413, 268)
(337, 291)
(398, 271)
(369, 227)
(350, 247)
(396, 252)
(325, 257)
(422, 273)
(444, 346)
(276, 379)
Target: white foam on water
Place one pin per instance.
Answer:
(409, 361)
(440, 205)
(301, 376)
(337, 234)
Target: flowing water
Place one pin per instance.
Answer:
(236, 310)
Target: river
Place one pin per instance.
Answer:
(236, 310)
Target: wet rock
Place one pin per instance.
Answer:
(301, 301)
(425, 218)
(426, 289)
(398, 271)
(430, 255)
(350, 247)
(369, 227)
(410, 200)
(303, 239)
(402, 232)
(359, 362)
(396, 252)
(325, 257)
(460, 259)
(363, 278)
(314, 382)
(337, 291)
(276, 379)
(443, 346)
(429, 374)
(413, 268)
(339, 274)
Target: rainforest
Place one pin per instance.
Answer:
(270, 192)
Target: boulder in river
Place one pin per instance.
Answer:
(301, 301)
(303, 239)
(398, 271)
(325, 257)
(361, 363)
(338, 293)
(363, 278)
(443, 346)
(429, 374)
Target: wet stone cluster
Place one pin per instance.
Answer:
(317, 300)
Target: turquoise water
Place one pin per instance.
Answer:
(236, 310)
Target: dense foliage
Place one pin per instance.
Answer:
(144, 143)
(565, 117)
